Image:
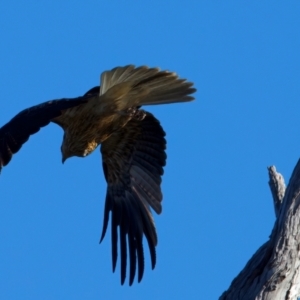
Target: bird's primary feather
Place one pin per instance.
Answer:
(133, 173)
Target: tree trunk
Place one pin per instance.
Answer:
(273, 271)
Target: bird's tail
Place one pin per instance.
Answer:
(129, 87)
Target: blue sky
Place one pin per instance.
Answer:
(217, 210)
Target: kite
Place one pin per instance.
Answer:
(132, 143)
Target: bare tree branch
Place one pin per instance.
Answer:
(277, 187)
(273, 272)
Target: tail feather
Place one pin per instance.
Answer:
(144, 86)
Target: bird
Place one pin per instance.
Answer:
(132, 143)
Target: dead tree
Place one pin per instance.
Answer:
(273, 271)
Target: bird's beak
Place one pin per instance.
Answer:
(65, 156)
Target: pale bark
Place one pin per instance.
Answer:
(273, 272)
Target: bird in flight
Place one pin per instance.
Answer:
(132, 146)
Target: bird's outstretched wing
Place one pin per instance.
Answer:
(29, 121)
(133, 160)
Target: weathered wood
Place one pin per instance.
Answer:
(277, 187)
(273, 272)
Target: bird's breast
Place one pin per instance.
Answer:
(89, 125)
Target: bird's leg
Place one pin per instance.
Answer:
(135, 113)
(139, 115)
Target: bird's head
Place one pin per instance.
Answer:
(76, 147)
(65, 152)
(67, 148)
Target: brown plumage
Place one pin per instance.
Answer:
(132, 146)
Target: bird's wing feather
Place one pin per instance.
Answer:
(29, 121)
(133, 160)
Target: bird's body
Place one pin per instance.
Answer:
(132, 146)
(86, 127)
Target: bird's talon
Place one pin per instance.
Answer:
(140, 115)
(136, 113)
